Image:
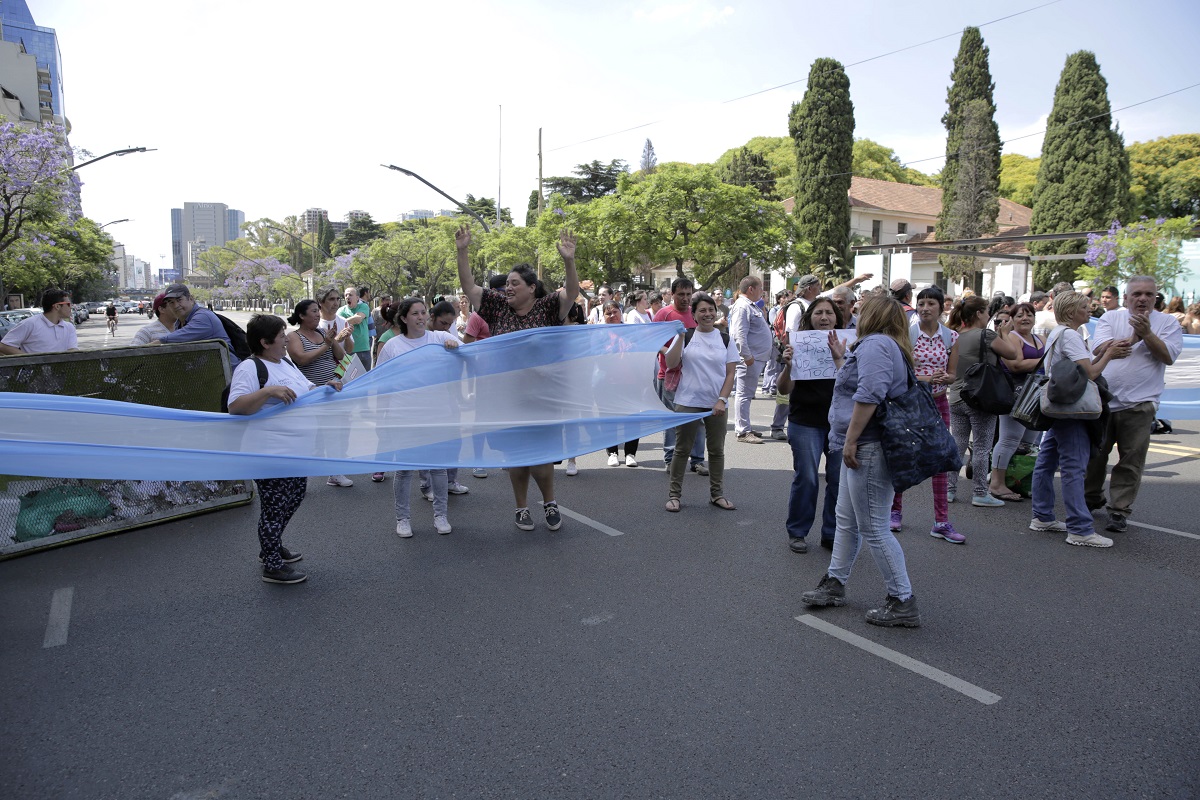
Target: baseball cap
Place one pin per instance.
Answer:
(807, 281)
(158, 301)
(176, 290)
(900, 285)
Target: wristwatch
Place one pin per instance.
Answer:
(724, 400)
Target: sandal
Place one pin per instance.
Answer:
(722, 503)
(1010, 497)
(673, 504)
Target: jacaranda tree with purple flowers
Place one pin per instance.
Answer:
(1148, 247)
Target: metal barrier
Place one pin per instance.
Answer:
(38, 513)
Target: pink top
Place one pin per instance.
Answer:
(931, 356)
(477, 327)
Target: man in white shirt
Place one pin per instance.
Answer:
(807, 289)
(1136, 383)
(50, 332)
(596, 314)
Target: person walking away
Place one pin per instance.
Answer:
(1136, 382)
(752, 337)
(278, 498)
(876, 368)
(522, 306)
(707, 373)
(808, 434)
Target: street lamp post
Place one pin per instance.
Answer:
(124, 152)
(466, 210)
(114, 222)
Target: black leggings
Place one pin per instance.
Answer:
(630, 448)
(278, 499)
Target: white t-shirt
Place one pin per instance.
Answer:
(400, 344)
(635, 317)
(38, 335)
(1141, 377)
(703, 373)
(149, 332)
(795, 311)
(1043, 323)
(285, 373)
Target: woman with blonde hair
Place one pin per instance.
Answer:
(876, 368)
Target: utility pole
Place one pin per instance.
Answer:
(540, 201)
(499, 160)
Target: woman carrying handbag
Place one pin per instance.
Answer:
(1066, 446)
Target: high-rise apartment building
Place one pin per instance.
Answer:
(312, 218)
(17, 26)
(214, 224)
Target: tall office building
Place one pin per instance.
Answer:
(312, 218)
(214, 224)
(17, 26)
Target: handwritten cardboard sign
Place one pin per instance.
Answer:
(811, 357)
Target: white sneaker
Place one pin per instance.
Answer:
(479, 472)
(403, 529)
(457, 488)
(441, 525)
(1091, 540)
(614, 460)
(1053, 526)
(630, 461)
(427, 493)
(339, 480)
(572, 470)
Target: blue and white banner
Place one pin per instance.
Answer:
(532, 397)
(1181, 400)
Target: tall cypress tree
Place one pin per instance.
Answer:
(1083, 180)
(822, 126)
(970, 113)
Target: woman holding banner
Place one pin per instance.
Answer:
(809, 399)
(317, 352)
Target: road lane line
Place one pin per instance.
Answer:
(60, 617)
(600, 526)
(899, 659)
(1162, 530)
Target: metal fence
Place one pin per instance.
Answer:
(37, 513)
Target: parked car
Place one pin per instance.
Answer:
(79, 313)
(6, 325)
(94, 307)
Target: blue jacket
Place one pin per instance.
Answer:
(201, 324)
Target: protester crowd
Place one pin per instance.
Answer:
(1071, 396)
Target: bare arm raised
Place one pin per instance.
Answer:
(474, 292)
(570, 290)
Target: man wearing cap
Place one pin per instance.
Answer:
(196, 323)
(49, 332)
(163, 323)
(902, 291)
(1136, 382)
(808, 289)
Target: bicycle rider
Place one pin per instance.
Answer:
(111, 312)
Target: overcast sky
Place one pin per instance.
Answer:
(274, 107)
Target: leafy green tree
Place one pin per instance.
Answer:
(531, 211)
(361, 232)
(1149, 247)
(486, 208)
(70, 254)
(1083, 180)
(970, 113)
(1018, 176)
(325, 235)
(748, 168)
(873, 160)
(589, 181)
(973, 210)
(780, 155)
(649, 160)
(822, 126)
(420, 258)
(1165, 176)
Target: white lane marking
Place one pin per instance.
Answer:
(933, 673)
(599, 619)
(60, 617)
(600, 526)
(1162, 530)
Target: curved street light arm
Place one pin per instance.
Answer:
(124, 152)
(466, 210)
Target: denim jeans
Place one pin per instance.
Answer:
(1065, 448)
(402, 488)
(864, 501)
(668, 398)
(808, 444)
(745, 384)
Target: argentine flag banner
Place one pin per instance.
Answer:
(525, 398)
(1181, 399)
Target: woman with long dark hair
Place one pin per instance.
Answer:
(317, 352)
(1012, 433)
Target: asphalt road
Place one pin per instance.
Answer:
(659, 655)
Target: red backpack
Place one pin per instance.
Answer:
(780, 325)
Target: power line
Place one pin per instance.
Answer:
(800, 80)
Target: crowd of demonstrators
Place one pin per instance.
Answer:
(411, 318)
(706, 360)
(316, 352)
(808, 434)
(972, 427)
(751, 336)
(876, 368)
(679, 310)
(161, 322)
(1152, 340)
(1012, 434)
(52, 331)
(278, 498)
(524, 304)
(935, 363)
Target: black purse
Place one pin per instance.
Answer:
(986, 387)
(916, 442)
(1027, 408)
